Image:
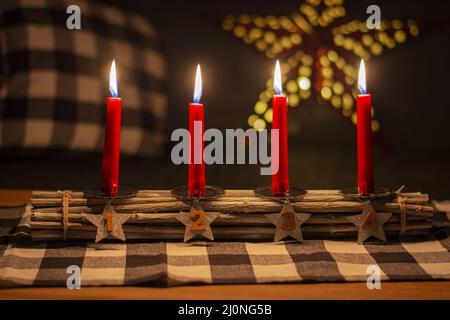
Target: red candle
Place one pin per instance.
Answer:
(111, 149)
(196, 178)
(280, 177)
(364, 135)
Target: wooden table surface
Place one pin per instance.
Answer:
(389, 290)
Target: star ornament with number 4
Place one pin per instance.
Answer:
(370, 223)
(319, 49)
(288, 223)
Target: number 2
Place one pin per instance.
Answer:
(197, 224)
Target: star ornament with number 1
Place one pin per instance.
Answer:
(109, 223)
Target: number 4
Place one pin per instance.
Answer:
(198, 223)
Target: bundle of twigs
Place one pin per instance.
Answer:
(242, 215)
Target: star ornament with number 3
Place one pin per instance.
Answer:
(288, 223)
(320, 49)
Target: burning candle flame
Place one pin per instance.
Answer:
(198, 85)
(362, 78)
(113, 81)
(277, 84)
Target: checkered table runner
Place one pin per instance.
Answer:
(168, 264)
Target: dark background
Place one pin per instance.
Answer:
(410, 87)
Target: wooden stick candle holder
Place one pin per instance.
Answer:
(62, 215)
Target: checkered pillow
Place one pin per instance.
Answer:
(55, 80)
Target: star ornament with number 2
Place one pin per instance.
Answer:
(320, 49)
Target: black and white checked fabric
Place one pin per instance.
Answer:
(55, 80)
(168, 264)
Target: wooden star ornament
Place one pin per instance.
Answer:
(109, 223)
(370, 223)
(288, 222)
(197, 222)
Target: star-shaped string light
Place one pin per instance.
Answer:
(319, 49)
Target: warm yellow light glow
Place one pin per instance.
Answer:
(305, 94)
(113, 81)
(296, 38)
(400, 36)
(362, 78)
(307, 60)
(338, 88)
(375, 126)
(414, 30)
(286, 42)
(256, 33)
(324, 61)
(268, 115)
(367, 40)
(260, 107)
(349, 71)
(260, 22)
(326, 93)
(327, 83)
(198, 85)
(347, 112)
(270, 54)
(304, 83)
(268, 94)
(291, 86)
(347, 101)
(339, 39)
(293, 100)
(251, 120)
(239, 31)
(332, 55)
(355, 118)
(261, 45)
(227, 24)
(269, 37)
(376, 49)
(277, 84)
(259, 124)
(244, 19)
(336, 101)
(305, 71)
(349, 80)
(396, 24)
(292, 62)
(327, 72)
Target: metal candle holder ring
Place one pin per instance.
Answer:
(378, 194)
(294, 194)
(182, 193)
(122, 193)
